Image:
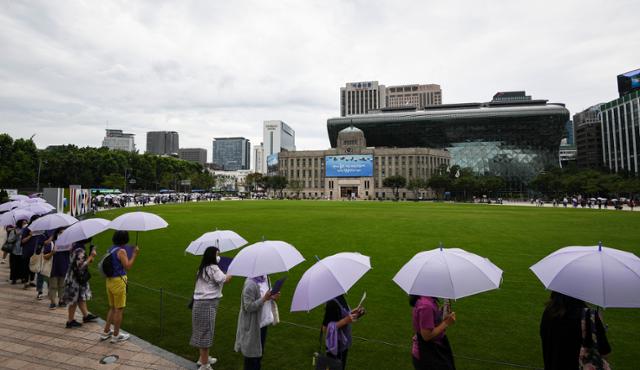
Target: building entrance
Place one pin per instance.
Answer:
(349, 192)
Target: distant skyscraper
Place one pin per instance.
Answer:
(361, 97)
(117, 140)
(569, 133)
(620, 133)
(588, 138)
(162, 142)
(232, 153)
(419, 96)
(510, 96)
(258, 158)
(365, 97)
(276, 137)
(198, 155)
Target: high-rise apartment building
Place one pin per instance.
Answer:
(258, 158)
(118, 140)
(277, 136)
(368, 96)
(198, 155)
(163, 142)
(232, 153)
(588, 138)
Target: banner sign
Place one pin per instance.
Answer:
(80, 201)
(349, 165)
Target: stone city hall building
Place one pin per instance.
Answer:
(353, 170)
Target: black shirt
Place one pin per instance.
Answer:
(332, 311)
(562, 338)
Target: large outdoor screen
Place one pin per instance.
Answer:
(349, 165)
(272, 164)
(628, 82)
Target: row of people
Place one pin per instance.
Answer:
(561, 328)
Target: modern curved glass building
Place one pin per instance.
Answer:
(515, 140)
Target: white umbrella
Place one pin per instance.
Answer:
(83, 230)
(264, 258)
(138, 221)
(34, 200)
(599, 275)
(11, 218)
(329, 278)
(7, 206)
(52, 221)
(448, 273)
(18, 197)
(39, 208)
(224, 240)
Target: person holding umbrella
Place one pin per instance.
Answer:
(59, 267)
(562, 334)
(76, 284)
(29, 244)
(206, 297)
(337, 326)
(255, 316)
(431, 348)
(122, 259)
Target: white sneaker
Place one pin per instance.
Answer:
(3, 261)
(205, 367)
(104, 336)
(212, 361)
(120, 338)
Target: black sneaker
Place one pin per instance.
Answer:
(62, 305)
(73, 324)
(89, 318)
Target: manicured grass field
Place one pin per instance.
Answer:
(496, 327)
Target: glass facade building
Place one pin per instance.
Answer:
(620, 127)
(514, 140)
(231, 153)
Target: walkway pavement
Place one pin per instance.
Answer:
(34, 337)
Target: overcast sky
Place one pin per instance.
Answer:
(219, 68)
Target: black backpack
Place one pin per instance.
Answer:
(106, 263)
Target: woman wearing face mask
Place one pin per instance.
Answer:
(206, 297)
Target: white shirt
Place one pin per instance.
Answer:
(266, 315)
(211, 287)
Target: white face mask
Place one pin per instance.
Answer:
(218, 259)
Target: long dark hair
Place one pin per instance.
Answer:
(560, 304)
(208, 259)
(413, 299)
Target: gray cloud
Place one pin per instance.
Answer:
(209, 69)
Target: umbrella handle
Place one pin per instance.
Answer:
(137, 232)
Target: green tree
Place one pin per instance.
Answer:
(278, 183)
(416, 185)
(253, 181)
(395, 182)
(439, 183)
(296, 187)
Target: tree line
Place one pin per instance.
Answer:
(557, 183)
(22, 166)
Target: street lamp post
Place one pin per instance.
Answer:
(38, 180)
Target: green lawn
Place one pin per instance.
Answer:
(499, 326)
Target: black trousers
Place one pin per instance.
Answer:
(16, 267)
(255, 363)
(30, 276)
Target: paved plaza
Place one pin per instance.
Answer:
(34, 337)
